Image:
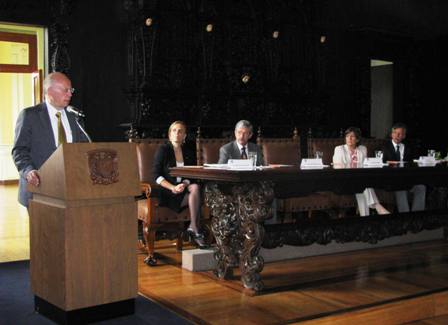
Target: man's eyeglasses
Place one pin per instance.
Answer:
(66, 90)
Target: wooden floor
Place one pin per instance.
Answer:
(393, 285)
(396, 285)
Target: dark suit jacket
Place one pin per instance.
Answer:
(231, 151)
(163, 160)
(34, 143)
(389, 152)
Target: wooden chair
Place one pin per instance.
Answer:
(287, 151)
(386, 198)
(207, 152)
(153, 216)
(324, 145)
(207, 149)
(373, 145)
(327, 145)
(284, 151)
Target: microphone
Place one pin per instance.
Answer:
(75, 111)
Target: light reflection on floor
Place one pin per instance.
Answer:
(14, 223)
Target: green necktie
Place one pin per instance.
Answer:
(61, 130)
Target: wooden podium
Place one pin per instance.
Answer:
(83, 233)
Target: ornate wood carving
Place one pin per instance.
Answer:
(369, 230)
(59, 29)
(214, 62)
(238, 213)
(103, 166)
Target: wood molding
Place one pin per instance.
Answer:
(31, 40)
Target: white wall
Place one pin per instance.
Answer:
(382, 100)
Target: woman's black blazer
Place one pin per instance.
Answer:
(163, 160)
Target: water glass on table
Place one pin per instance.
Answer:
(318, 154)
(432, 153)
(253, 156)
(378, 154)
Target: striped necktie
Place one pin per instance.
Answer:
(61, 131)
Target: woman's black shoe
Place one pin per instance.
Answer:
(197, 238)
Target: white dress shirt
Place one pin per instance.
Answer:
(240, 147)
(54, 123)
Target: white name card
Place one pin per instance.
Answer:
(311, 163)
(427, 160)
(374, 162)
(240, 164)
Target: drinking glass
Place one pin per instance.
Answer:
(319, 154)
(253, 156)
(378, 154)
(431, 153)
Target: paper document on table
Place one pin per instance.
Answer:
(216, 166)
(277, 166)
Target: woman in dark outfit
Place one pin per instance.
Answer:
(178, 193)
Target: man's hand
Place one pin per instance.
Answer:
(33, 178)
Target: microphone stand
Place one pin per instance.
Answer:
(82, 129)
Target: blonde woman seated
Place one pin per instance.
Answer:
(178, 193)
(351, 154)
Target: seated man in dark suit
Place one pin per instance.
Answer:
(396, 151)
(240, 148)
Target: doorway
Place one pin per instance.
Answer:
(382, 97)
(22, 57)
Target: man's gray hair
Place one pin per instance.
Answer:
(244, 124)
(48, 82)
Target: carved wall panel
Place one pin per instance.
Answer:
(214, 62)
(152, 61)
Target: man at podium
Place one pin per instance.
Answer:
(41, 129)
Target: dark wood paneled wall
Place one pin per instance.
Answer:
(190, 61)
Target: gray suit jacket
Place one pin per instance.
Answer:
(34, 143)
(231, 151)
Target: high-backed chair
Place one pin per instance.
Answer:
(287, 151)
(153, 216)
(373, 145)
(324, 145)
(327, 145)
(280, 150)
(386, 198)
(207, 149)
(207, 152)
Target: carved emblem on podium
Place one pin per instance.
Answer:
(103, 166)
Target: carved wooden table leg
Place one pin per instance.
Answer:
(238, 228)
(225, 228)
(254, 203)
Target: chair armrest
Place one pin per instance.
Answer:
(146, 189)
(150, 190)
